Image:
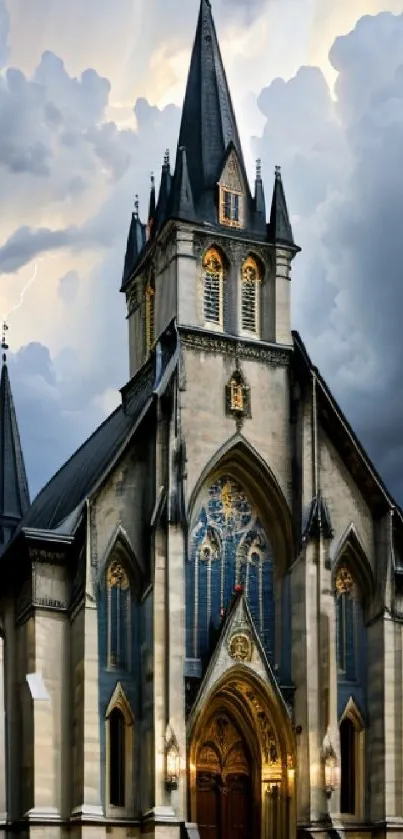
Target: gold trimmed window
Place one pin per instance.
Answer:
(213, 287)
(352, 751)
(250, 296)
(150, 315)
(119, 737)
(230, 208)
(118, 616)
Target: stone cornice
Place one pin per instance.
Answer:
(276, 355)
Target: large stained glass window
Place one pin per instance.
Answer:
(229, 547)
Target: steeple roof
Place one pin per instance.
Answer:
(14, 492)
(208, 120)
(280, 230)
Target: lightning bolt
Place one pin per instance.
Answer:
(23, 292)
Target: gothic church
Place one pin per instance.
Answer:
(201, 613)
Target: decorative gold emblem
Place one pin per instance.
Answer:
(117, 577)
(240, 647)
(344, 581)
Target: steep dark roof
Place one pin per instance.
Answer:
(337, 427)
(280, 230)
(57, 506)
(14, 492)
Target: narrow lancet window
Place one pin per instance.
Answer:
(118, 591)
(347, 622)
(117, 758)
(213, 278)
(250, 297)
(348, 755)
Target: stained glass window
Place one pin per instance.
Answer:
(229, 547)
(349, 623)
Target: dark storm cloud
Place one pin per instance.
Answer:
(344, 178)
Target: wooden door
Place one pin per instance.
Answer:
(238, 816)
(224, 787)
(209, 806)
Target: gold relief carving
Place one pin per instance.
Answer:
(344, 581)
(222, 750)
(117, 577)
(237, 396)
(240, 647)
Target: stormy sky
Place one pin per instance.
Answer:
(317, 87)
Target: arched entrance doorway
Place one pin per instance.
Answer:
(242, 761)
(224, 793)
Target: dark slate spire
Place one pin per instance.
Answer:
(208, 120)
(14, 492)
(279, 226)
(135, 243)
(165, 189)
(181, 205)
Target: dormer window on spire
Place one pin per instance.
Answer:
(231, 194)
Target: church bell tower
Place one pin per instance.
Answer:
(207, 255)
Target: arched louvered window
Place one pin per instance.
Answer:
(119, 609)
(250, 297)
(213, 287)
(150, 314)
(117, 758)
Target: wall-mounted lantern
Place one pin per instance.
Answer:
(172, 762)
(330, 764)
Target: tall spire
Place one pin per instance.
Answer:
(14, 492)
(208, 120)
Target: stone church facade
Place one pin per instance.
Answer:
(201, 613)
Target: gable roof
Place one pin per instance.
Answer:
(57, 507)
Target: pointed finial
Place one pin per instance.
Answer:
(4, 345)
(167, 158)
(136, 206)
(258, 169)
(152, 178)
(278, 173)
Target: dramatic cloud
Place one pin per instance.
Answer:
(345, 182)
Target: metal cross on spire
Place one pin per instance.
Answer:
(4, 345)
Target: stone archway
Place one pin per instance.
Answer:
(242, 763)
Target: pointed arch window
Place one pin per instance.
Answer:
(119, 769)
(117, 761)
(119, 611)
(150, 314)
(351, 761)
(250, 296)
(213, 287)
(348, 612)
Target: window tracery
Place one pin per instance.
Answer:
(213, 287)
(229, 547)
(118, 615)
(250, 296)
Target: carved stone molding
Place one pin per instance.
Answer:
(39, 555)
(230, 346)
(235, 249)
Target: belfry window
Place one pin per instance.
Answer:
(117, 758)
(250, 297)
(230, 208)
(118, 594)
(150, 315)
(213, 280)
